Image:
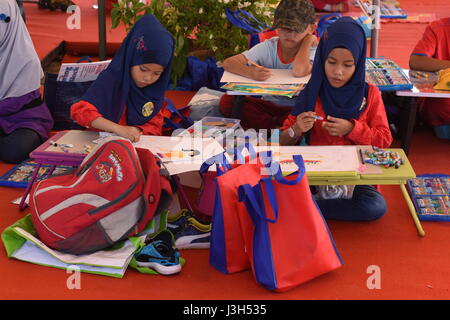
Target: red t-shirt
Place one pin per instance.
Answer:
(371, 128)
(435, 43)
(84, 113)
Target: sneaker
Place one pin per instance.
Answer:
(159, 254)
(193, 235)
(177, 221)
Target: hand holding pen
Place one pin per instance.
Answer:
(305, 120)
(258, 72)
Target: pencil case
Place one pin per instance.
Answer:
(386, 75)
(430, 194)
(387, 10)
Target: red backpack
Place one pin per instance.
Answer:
(113, 195)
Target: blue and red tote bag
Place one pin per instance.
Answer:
(227, 252)
(286, 237)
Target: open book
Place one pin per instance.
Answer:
(21, 243)
(105, 262)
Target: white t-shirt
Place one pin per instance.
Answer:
(266, 54)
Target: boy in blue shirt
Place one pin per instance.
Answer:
(293, 48)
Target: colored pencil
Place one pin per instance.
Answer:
(253, 63)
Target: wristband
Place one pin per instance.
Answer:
(291, 132)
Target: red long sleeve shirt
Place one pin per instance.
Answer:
(371, 128)
(84, 113)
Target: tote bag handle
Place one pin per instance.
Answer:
(247, 191)
(275, 169)
(221, 162)
(185, 122)
(244, 20)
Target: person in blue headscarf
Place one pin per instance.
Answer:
(127, 96)
(338, 107)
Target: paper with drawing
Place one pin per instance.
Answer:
(316, 158)
(279, 76)
(181, 154)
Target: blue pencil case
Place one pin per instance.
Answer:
(430, 194)
(391, 11)
(386, 75)
(388, 9)
(19, 175)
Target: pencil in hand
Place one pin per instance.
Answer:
(253, 63)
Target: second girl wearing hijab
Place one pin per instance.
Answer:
(351, 110)
(25, 120)
(127, 96)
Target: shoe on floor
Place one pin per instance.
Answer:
(193, 235)
(159, 254)
(177, 221)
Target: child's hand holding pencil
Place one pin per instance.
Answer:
(258, 72)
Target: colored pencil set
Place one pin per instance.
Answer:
(382, 157)
(386, 75)
(431, 196)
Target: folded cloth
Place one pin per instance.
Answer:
(334, 192)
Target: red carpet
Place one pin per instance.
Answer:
(411, 267)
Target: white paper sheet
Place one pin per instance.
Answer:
(30, 252)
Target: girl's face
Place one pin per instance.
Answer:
(339, 67)
(146, 74)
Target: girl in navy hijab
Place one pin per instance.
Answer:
(127, 96)
(337, 107)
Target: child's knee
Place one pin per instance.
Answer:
(13, 157)
(375, 209)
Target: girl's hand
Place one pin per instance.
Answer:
(305, 121)
(337, 126)
(259, 73)
(129, 132)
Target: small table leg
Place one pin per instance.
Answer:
(412, 210)
(408, 121)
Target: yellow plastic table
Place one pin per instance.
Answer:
(388, 176)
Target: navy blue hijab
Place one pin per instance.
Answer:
(345, 102)
(147, 42)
